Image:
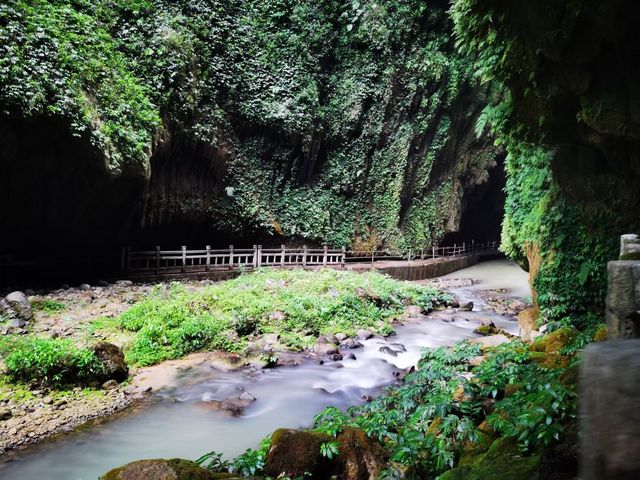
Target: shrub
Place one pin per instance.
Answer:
(52, 362)
(48, 305)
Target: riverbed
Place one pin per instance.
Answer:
(181, 420)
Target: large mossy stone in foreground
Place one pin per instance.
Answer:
(501, 462)
(159, 469)
(294, 453)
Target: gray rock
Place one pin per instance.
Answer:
(124, 283)
(610, 418)
(19, 304)
(18, 323)
(84, 287)
(350, 343)
(325, 348)
(388, 351)
(364, 334)
(336, 357)
(490, 340)
(341, 336)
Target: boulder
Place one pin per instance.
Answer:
(490, 340)
(294, 453)
(364, 334)
(19, 306)
(341, 337)
(159, 469)
(325, 348)
(360, 457)
(113, 360)
(467, 307)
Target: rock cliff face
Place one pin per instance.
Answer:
(174, 122)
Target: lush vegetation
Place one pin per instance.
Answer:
(50, 362)
(567, 201)
(337, 121)
(298, 305)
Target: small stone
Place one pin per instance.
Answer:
(13, 431)
(124, 283)
(47, 400)
(351, 356)
(84, 287)
(336, 357)
(341, 337)
(325, 348)
(467, 307)
(5, 414)
(109, 385)
(350, 343)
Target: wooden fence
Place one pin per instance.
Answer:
(157, 261)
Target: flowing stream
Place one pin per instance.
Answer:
(180, 423)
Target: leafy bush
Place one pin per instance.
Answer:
(53, 362)
(426, 421)
(297, 304)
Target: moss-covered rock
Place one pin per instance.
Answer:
(601, 334)
(297, 452)
(555, 341)
(360, 457)
(550, 361)
(501, 462)
(159, 469)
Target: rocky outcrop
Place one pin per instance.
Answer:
(112, 358)
(17, 309)
(294, 453)
(173, 469)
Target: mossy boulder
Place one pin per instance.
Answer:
(501, 462)
(601, 334)
(159, 469)
(555, 341)
(360, 457)
(295, 453)
(550, 361)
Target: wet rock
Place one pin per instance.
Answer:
(341, 337)
(124, 283)
(159, 469)
(247, 396)
(336, 357)
(294, 453)
(364, 334)
(113, 360)
(351, 356)
(325, 348)
(467, 307)
(350, 343)
(328, 339)
(388, 351)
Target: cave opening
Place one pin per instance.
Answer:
(482, 210)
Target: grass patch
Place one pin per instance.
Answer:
(47, 361)
(48, 305)
(297, 304)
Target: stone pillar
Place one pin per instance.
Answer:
(610, 411)
(610, 378)
(623, 291)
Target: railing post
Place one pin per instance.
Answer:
(255, 256)
(231, 257)
(157, 259)
(373, 254)
(454, 249)
(324, 257)
(283, 255)
(343, 261)
(433, 251)
(184, 258)
(304, 255)
(208, 264)
(259, 255)
(464, 247)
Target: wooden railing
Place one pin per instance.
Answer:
(159, 261)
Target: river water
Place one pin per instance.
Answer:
(180, 423)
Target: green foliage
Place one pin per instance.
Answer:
(331, 117)
(426, 421)
(252, 461)
(213, 461)
(297, 304)
(55, 362)
(48, 305)
(330, 449)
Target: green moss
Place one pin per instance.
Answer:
(159, 469)
(630, 256)
(296, 452)
(501, 462)
(555, 341)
